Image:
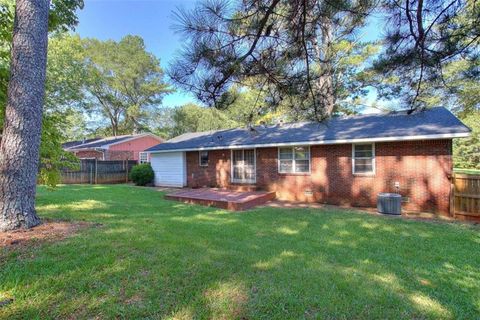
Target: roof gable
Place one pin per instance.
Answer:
(71, 144)
(104, 143)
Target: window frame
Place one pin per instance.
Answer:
(140, 154)
(369, 173)
(294, 172)
(200, 158)
(232, 167)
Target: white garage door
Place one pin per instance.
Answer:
(169, 168)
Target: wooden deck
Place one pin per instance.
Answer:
(224, 199)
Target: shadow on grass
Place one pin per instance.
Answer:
(162, 259)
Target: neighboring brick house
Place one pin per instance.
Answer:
(127, 147)
(345, 161)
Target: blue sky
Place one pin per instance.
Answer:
(152, 20)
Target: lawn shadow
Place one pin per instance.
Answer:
(162, 259)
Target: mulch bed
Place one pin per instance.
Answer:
(49, 230)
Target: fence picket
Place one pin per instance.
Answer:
(94, 171)
(466, 195)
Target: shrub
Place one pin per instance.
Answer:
(142, 174)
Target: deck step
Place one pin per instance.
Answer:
(224, 199)
(244, 187)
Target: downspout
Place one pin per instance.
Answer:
(102, 151)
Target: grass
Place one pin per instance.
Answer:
(467, 171)
(153, 258)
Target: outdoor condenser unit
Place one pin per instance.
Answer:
(389, 203)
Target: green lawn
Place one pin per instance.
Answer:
(153, 258)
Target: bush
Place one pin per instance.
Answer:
(142, 174)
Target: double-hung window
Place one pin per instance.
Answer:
(363, 158)
(294, 160)
(203, 158)
(143, 157)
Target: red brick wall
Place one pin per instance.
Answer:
(119, 155)
(134, 146)
(109, 155)
(216, 174)
(89, 154)
(421, 167)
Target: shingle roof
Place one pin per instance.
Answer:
(428, 124)
(102, 142)
(71, 144)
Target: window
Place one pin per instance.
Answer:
(203, 158)
(363, 158)
(294, 160)
(243, 166)
(143, 157)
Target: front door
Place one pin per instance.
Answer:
(243, 166)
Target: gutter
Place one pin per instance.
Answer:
(107, 145)
(324, 142)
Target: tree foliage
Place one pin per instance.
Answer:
(194, 118)
(423, 37)
(63, 101)
(294, 49)
(248, 104)
(466, 152)
(458, 89)
(125, 82)
(53, 157)
(62, 17)
(60, 94)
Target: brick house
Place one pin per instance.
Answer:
(127, 147)
(345, 160)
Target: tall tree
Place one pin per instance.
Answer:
(64, 72)
(194, 118)
(289, 45)
(466, 152)
(19, 149)
(62, 17)
(422, 37)
(247, 105)
(126, 82)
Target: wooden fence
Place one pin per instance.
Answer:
(466, 196)
(94, 171)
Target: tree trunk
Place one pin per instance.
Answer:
(19, 149)
(324, 84)
(114, 126)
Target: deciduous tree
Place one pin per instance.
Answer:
(194, 118)
(126, 82)
(466, 152)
